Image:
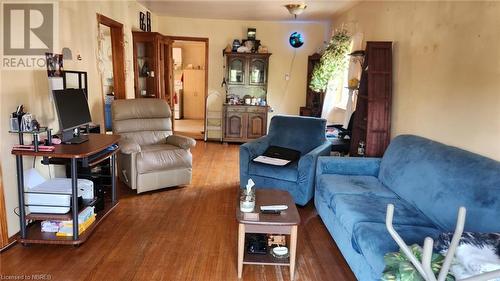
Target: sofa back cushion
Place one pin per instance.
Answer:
(296, 132)
(438, 179)
(145, 121)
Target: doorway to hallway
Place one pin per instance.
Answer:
(190, 73)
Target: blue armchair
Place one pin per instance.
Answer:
(305, 134)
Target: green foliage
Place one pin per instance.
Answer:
(332, 61)
(399, 268)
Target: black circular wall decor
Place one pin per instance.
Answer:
(296, 40)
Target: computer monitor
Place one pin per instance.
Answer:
(73, 111)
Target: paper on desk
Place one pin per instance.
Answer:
(271, 161)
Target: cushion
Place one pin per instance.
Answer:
(297, 132)
(438, 179)
(329, 185)
(353, 209)
(288, 172)
(373, 241)
(158, 157)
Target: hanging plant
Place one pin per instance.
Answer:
(332, 61)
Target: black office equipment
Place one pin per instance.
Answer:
(278, 156)
(73, 111)
(282, 153)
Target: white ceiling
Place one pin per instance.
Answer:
(273, 10)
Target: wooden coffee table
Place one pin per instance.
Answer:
(285, 223)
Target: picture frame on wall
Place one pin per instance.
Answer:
(251, 33)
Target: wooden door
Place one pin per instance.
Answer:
(256, 125)
(194, 94)
(4, 239)
(235, 125)
(373, 108)
(380, 95)
(165, 70)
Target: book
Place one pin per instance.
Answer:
(67, 228)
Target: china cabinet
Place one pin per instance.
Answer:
(152, 69)
(245, 111)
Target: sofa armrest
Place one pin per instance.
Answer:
(181, 141)
(354, 166)
(128, 146)
(248, 151)
(307, 168)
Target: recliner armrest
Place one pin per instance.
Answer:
(354, 166)
(128, 146)
(181, 141)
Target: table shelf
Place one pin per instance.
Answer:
(35, 235)
(89, 153)
(266, 259)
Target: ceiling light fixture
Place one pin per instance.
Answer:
(295, 9)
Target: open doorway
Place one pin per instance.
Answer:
(111, 63)
(190, 73)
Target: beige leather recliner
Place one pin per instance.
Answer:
(150, 156)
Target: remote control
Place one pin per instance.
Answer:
(271, 212)
(273, 207)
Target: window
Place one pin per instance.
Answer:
(337, 93)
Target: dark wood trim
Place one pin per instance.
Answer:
(188, 38)
(108, 21)
(207, 52)
(118, 50)
(4, 236)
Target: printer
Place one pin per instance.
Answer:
(52, 195)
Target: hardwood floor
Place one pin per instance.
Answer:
(185, 233)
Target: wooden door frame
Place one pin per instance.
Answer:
(193, 39)
(4, 235)
(118, 50)
(118, 53)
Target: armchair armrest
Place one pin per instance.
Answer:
(128, 146)
(355, 166)
(248, 152)
(181, 141)
(254, 148)
(307, 168)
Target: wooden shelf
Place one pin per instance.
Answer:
(267, 259)
(36, 236)
(59, 217)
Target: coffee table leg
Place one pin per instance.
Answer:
(241, 248)
(293, 251)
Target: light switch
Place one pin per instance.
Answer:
(287, 76)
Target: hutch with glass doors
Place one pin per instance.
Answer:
(245, 108)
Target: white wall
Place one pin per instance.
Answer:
(78, 31)
(446, 66)
(285, 97)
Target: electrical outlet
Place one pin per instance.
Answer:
(287, 76)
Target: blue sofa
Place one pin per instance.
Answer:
(305, 134)
(426, 181)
